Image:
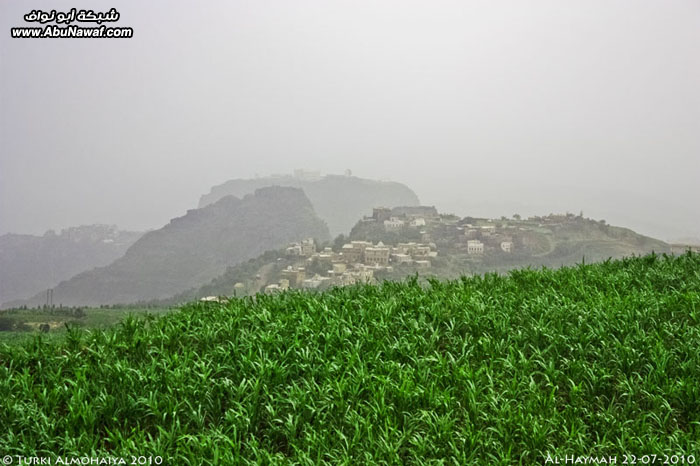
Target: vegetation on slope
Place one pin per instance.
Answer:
(193, 249)
(21, 325)
(595, 359)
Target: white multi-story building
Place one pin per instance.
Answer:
(393, 224)
(377, 255)
(308, 247)
(475, 246)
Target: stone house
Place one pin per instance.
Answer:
(393, 224)
(294, 275)
(377, 255)
(475, 246)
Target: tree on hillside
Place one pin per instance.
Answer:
(339, 241)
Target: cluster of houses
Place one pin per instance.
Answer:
(356, 262)
(359, 261)
(381, 255)
(305, 247)
(339, 275)
(403, 217)
(479, 239)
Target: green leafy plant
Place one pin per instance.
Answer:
(598, 359)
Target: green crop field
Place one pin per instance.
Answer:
(591, 360)
(20, 325)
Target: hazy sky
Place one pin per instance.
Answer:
(482, 107)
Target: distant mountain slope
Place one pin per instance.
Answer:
(30, 264)
(195, 248)
(339, 200)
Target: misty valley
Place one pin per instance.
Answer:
(312, 232)
(251, 236)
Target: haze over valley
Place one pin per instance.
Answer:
(340, 229)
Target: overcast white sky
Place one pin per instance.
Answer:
(482, 107)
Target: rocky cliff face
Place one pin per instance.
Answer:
(195, 248)
(339, 200)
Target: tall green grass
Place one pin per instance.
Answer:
(599, 359)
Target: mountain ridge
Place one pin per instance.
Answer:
(338, 199)
(31, 263)
(194, 248)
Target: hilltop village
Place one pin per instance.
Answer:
(357, 262)
(418, 240)
(408, 244)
